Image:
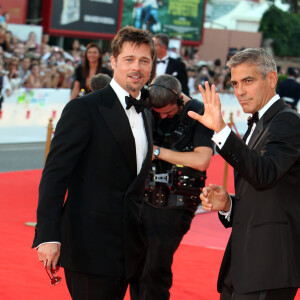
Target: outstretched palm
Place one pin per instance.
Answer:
(212, 117)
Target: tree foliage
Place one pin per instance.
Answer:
(284, 29)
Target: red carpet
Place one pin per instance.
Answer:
(22, 276)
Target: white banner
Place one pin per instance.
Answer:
(25, 114)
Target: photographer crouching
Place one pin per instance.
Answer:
(182, 152)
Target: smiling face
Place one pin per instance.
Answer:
(251, 89)
(92, 55)
(132, 67)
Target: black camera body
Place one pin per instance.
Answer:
(178, 186)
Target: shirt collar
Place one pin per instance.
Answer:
(268, 105)
(165, 58)
(121, 93)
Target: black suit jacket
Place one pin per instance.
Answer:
(290, 88)
(177, 69)
(264, 246)
(93, 158)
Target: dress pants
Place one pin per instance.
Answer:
(94, 287)
(164, 229)
(274, 294)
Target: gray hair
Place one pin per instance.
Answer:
(99, 81)
(257, 56)
(163, 39)
(164, 90)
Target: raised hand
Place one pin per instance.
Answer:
(212, 117)
(215, 197)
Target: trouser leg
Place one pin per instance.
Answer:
(93, 287)
(164, 231)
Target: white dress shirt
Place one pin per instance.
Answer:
(162, 67)
(221, 137)
(136, 124)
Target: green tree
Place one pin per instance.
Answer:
(284, 29)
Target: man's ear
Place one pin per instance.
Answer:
(113, 62)
(272, 79)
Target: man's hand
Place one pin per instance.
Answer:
(48, 254)
(215, 197)
(212, 117)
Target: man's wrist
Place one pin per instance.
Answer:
(221, 127)
(228, 204)
(156, 152)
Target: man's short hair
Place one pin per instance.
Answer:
(291, 71)
(257, 56)
(163, 39)
(99, 81)
(134, 36)
(164, 90)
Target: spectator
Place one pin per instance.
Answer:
(5, 87)
(168, 65)
(2, 18)
(67, 76)
(91, 66)
(289, 89)
(99, 81)
(15, 41)
(34, 79)
(14, 74)
(19, 49)
(45, 39)
(191, 72)
(2, 38)
(76, 50)
(204, 75)
(8, 41)
(31, 44)
(218, 80)
(51, 77)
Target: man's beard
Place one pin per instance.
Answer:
(134, 88)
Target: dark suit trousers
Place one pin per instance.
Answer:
(163, 229)
(92, 287)
(275, 294)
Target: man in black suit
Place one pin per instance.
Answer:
(168, 65)
(262, 258)
(100, 156)
(289, 89)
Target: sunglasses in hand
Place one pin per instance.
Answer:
(53, 279)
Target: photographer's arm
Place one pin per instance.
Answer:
(198, 159)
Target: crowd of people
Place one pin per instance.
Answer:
(33, 65)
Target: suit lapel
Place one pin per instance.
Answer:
(117, 120)
(147, 117)
(169, 66)
(260, 129)
(261, 125)
(148, 128)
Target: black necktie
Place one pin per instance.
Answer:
(250, 121)
(161, 61)
(139, 105)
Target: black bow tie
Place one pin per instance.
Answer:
(139, 105)
(162, 61)
(253, 119)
